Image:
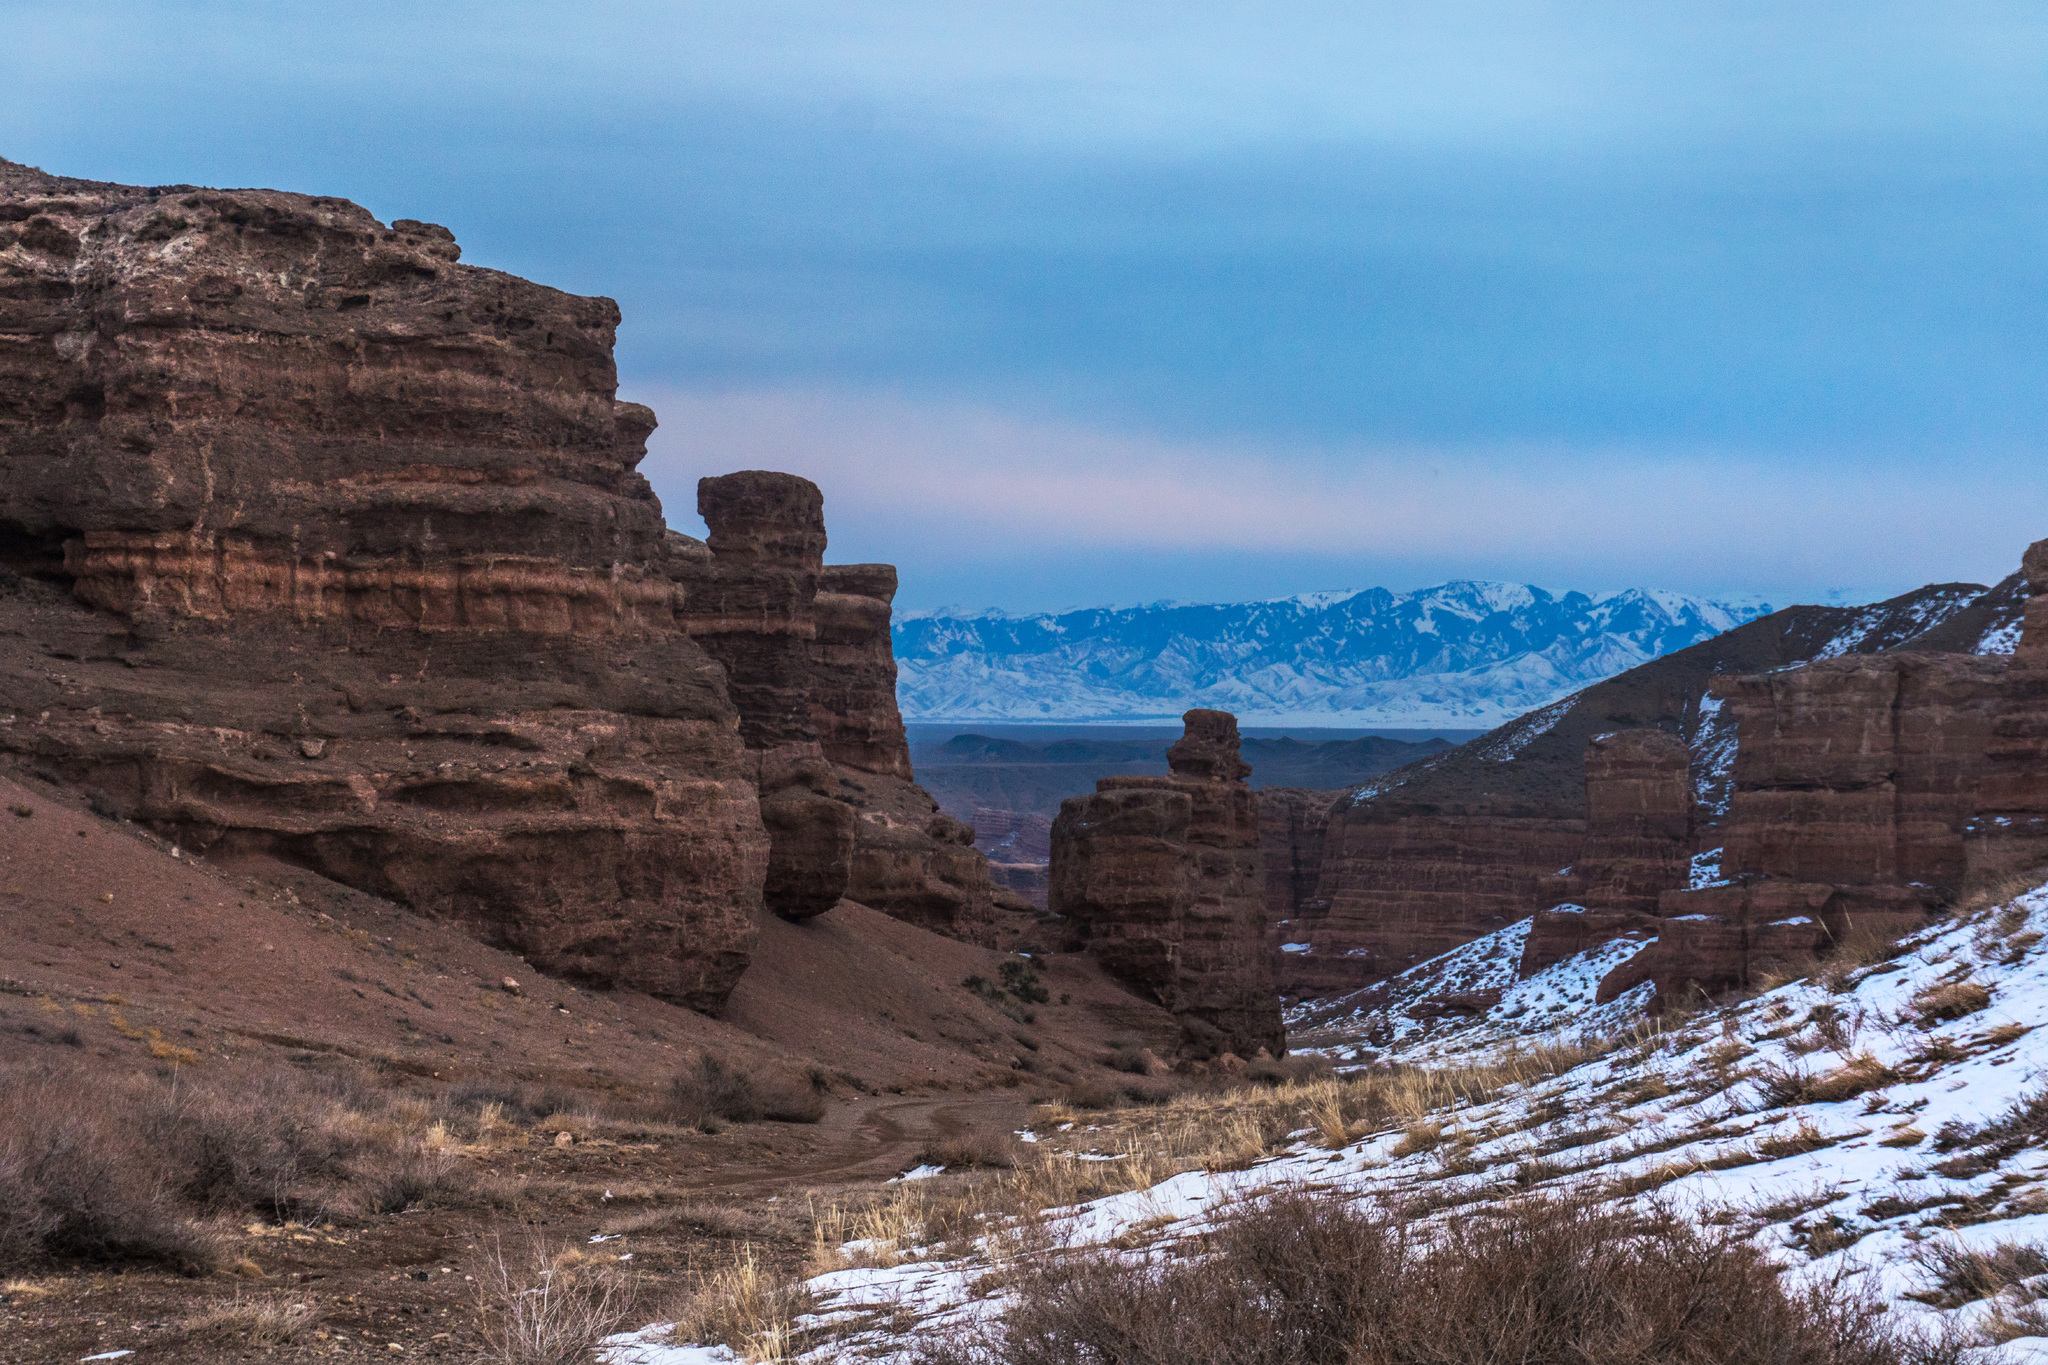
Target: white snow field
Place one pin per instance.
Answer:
(1855, 1125)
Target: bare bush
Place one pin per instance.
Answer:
(986, 1147)
(546, 1308)
(716, 1087)
(1318, 1279)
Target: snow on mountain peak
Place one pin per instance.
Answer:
(1465, 654)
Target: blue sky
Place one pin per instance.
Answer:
(1070, 304)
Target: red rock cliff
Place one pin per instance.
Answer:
(1161, 878)
(343, 550)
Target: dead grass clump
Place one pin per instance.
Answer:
(1952, 1000)
(717, 1087)
(984, 1147)
(548, 1308)
(1785, 1086)
(513, 1102)
(271, 1320)
(1958, 1275)
(1316, 1278)
(745, 1305)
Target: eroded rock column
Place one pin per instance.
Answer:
(1162, 879)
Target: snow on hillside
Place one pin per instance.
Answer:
(1463, 654)
(1876, 1126)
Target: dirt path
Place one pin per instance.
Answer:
(873, 1139)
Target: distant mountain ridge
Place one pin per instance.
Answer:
(1465, 654)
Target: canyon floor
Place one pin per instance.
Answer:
(133, 963)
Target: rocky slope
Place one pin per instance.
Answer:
(317, 545)
(1461, 655)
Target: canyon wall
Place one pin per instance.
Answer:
(1162, 880)
(2010, 828)
(1445, 850)
(317, 544)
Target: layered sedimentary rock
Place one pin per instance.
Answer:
(1292, 825)
(2011, 825)
(1855, 782)
(1861, 773)
(1726, 937)
(1161, 878)
(1639, 818)
(1404, 882)
(318, 544)
(345, 547)
(806, 648)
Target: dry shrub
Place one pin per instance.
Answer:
(511, 1102)
(79, 1182)
(1952, 1000)
(1784, 1086)
(109, 1169)
(548, 1308)
(746, 1305)
(716, 1087)
(1317, 1279)
(985, 1147)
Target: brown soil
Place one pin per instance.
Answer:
(119, 951)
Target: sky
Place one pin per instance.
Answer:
(1071, 304)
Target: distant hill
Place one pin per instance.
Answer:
(1460, 655)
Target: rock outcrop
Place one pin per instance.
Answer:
(2011, 824)
(1445, 850)
(1861, 773)
(1161, 879)
(317, 544)
(1639, 818)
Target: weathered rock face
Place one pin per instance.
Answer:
(377, 586)
(1292, 823)
(1162, 879)
(751, 603)
(2011, 828)
(345, 548)
(1404, 883)
(1638, 820)
(853, 672)
(1724, 937)
(1861, 773)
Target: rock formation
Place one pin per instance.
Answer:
(320, 545)
(1861, 773)
(2011, 825)
(1445, 850)
(1161, 879)
(1639, 818)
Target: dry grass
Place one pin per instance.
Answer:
(1951, 1000)
(548, 1308)
(1958, 1275)
(1786, 1086)
(747, 1305)
(270, 1320)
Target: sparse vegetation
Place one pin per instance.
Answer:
(549, 1308)
(717, 1087)
(1305, 1278)
(1951, 1000)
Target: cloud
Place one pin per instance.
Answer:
(947, 487)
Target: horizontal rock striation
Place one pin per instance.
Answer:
(1161, 879)
(2011, 822)
(318, 544)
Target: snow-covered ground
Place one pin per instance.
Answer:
(1850, 1124)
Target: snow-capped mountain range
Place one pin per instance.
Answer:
(1468, 655)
